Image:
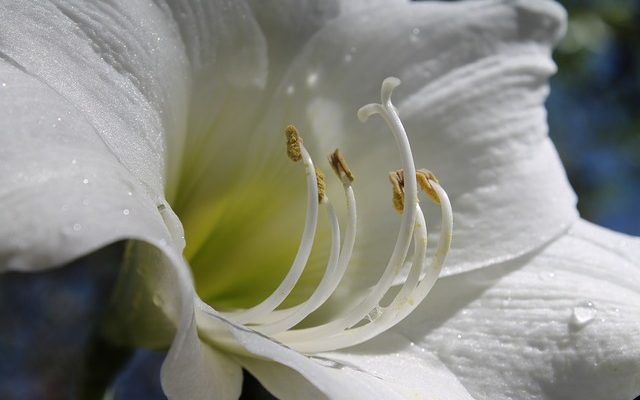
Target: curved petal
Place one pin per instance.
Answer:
(64, 193)
(127, 83)
(288, 25)
(474, 83)
(153, 306)
(371, 371)
(89, 99)
(561, 323)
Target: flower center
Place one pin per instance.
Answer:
(367, 317)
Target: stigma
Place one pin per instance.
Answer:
(369, 316)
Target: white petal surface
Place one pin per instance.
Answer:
(154, 306)
(373, 371)
(474, 82)
(91, 99)
(562, 323)
(64, 193)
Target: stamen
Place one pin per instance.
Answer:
(293, 143)
(340, 167)
(426, 179)
(389, 114)
(367, 318)
(321, 185)
(397, 182)
(409, 297)
(285, 319)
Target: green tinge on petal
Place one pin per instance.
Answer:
(241, 244)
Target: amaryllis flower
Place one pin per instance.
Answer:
(160, 123)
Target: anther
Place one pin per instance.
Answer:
(340, 167)
(397, 182)
(425, 177)
(321, 185)
(293, 143)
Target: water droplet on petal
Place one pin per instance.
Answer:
(74, 162)
(85, 181)
(546, 275)
(125, 211)
(312, 79)
(583, 314)
(76, 227)
(459, 336)
(129, 193)
(374, 314)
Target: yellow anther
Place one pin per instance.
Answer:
(397, 182)
(425, 177)
(340, 167)
(321, 184)
(293, 143)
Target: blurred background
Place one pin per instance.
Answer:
(594, 109)
(594, 118)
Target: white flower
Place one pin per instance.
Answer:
(120, 117)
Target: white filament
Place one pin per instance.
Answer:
(333, 274)
(302, 256)
(367, 318)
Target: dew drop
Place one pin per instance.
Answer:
(59, 118)
(374, 314)
(85, 181)
(4, 84)
(125, 211)
(74, 161)
(129, 193)
(415, 35)
(76, 227)
(312, 79)
(546, 276)
(583, 314)
(290, 90)
(459, 336)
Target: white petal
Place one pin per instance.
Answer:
(474, 83)
(561, 323)
(288, 24)
(89, 99)
(127, 83)
(372, 371)
(154, 307)
(63, 192)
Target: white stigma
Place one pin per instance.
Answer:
(366, 318)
